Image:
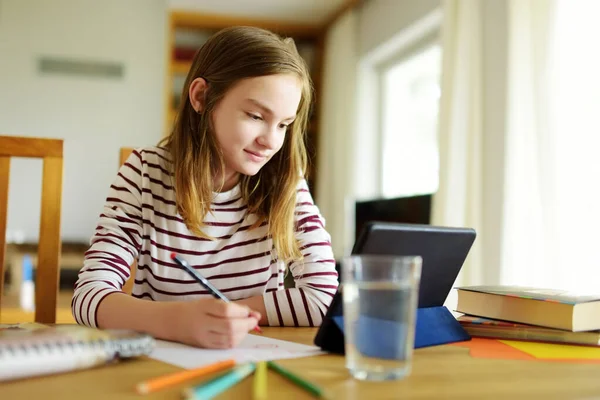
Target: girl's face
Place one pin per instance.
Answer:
(251, 121)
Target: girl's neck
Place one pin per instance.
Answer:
(231, 179)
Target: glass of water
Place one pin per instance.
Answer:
(380, 302)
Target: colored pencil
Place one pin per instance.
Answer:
(165, 381)
(203, 281)
(220, 384)
(259, 387)
(304, 384)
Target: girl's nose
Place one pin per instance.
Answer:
(269, 137)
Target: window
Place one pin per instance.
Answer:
(410, 92)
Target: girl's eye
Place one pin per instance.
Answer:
(283, 126)
(254, 117)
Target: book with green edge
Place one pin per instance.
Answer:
(496, 329)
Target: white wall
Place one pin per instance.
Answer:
(95, 116)
(380, 20)
(337, 172)
(299, 11)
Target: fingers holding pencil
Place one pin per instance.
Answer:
(233, 313)
(214, 291)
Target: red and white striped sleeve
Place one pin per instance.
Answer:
(115, 244)
(316, 279)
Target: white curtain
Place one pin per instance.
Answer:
(552, 185)
(336, 172)
(576, 112)
(458, 201)
(528, 237)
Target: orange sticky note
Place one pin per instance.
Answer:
(492, 348)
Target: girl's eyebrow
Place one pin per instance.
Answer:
(266, 109)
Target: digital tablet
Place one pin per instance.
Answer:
(443, 250)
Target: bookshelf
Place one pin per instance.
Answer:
(187, 31)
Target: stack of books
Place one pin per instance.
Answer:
(532, 314)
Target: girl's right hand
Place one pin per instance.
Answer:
(212, 323)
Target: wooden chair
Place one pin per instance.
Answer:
(124, 153)
(49, 247)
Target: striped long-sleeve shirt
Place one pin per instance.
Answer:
(140, 222)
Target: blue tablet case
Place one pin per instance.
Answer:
(380, 337)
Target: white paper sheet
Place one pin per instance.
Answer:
(252, 348)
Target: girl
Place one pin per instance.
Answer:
(225, 190)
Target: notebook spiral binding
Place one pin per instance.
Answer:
(54, 352)
(113, 348)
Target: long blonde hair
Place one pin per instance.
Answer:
(229, 56)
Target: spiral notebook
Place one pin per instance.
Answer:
(32, 349)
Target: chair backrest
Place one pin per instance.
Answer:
(124, 153)
(49, 247)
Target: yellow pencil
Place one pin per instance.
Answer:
(259, 387)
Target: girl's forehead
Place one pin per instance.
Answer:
(277, 94)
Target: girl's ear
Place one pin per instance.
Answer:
(197, 94)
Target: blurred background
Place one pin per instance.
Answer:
(478, 113)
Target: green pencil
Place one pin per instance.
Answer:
(309, 387)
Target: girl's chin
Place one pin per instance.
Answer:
(250, 172)
(250, 169)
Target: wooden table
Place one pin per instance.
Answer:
(438, 372)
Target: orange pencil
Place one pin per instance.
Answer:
(162, 382)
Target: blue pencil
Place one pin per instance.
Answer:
(220, 384)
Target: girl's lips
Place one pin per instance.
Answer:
(256, 157)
